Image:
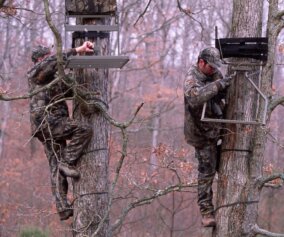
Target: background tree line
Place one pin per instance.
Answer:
(162, 42)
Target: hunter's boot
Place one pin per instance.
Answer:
(68, 171)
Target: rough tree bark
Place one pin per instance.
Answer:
(91, 191)
(241, 171)
(235, 179)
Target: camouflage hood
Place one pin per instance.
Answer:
(39, 52)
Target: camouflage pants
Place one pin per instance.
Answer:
(207, 157)
(54, 139)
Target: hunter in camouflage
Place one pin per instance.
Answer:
(51, 124)
(205, 83)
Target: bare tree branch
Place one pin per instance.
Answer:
(57, 35)
(28, 10)
(275, 186)
(102, 108)
(262, 181)
(189, 13)
(280, 23)
(263, 232)
(279, 15)
(143, 13)
(29, 95)
(149, 200)
(144, 36)
(274, 103)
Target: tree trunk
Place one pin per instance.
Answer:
(5, 70)
(5, 108)
(274, 26)
(91, 190)
(237, 172)
(155, 126)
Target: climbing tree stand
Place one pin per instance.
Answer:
(255, 51)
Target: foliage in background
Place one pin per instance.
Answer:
(33, 232)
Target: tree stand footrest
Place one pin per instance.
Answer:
(96, 61)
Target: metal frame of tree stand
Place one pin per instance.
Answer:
(96, 31)
(256, 122)
(255, 48)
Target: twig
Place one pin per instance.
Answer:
(189, 13)
(143, 13)
(175, 172)
(58, 38)
(148, 200)
(186, 11)
(121, 125)
(29, 95)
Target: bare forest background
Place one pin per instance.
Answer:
(162, 43)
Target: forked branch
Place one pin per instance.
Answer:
(274, 103)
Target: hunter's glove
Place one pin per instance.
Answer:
(225, 82)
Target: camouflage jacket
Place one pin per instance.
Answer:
(39, 76)
(198, 89)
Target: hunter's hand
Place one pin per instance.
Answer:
(225, 82)
(87, 46)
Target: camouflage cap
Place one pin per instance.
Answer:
(38, 52)
(212, 56)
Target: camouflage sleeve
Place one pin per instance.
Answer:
(47, 72)
(44, 71)
(70, 52)
(196, 93)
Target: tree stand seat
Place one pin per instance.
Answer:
(256, 48)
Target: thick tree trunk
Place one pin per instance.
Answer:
(91, 190)
(236, 179)
(274, 26)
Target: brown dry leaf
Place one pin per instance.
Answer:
(187, 11)
(160, 150)
(9, 10)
